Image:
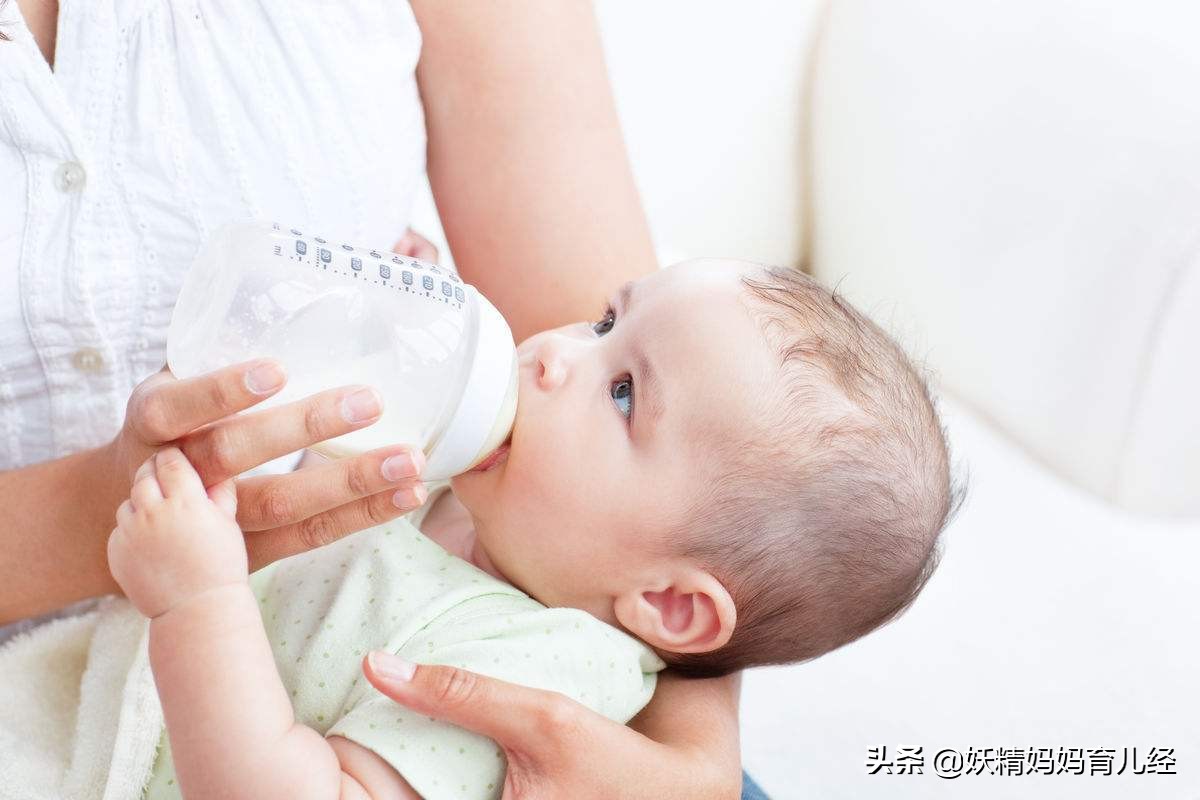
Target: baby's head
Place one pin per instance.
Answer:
(732, 464)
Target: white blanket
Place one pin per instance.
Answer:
(79, 713)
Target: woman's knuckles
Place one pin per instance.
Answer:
(318, 531)
(224, 395)
(359, 478)
(275, 505)
(454, 690)
(216, 453)
(150, 416)
(323, 420)
(557, 718)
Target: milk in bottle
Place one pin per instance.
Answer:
(440, 355)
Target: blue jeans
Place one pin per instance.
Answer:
(751, 790)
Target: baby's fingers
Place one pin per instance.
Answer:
(224, 496)
(145, 490)
(125, 513)
(176, 474)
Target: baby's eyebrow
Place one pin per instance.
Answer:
(650, 387)
(625, 295)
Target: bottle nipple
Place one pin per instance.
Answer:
(503, 426)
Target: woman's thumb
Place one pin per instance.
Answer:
(506, 712)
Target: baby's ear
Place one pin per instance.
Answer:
(687, 612)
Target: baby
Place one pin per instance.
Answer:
(731, 467)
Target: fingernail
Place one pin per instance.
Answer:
(264, 378)
(410, 498)
(390, 666)
(403, 465)
(360, 406)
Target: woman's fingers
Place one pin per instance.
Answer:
(264, 547)
(270, 501)
(310, 459)
(163, 408)
(517, 717)
(414, 245)
(232, 446)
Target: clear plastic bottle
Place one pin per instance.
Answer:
(440, 354)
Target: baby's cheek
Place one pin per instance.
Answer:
(538, 480)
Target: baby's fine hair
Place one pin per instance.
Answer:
(825, 525)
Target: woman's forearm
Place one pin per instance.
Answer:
(697, 719)
(526, 158)
(56, 519)
(232, 728)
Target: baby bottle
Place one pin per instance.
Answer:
(440, 355)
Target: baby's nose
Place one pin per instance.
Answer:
(550, 372)
(551, 361)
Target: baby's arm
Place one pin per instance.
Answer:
(180, 558)
(232, 729)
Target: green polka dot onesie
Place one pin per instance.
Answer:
(392, 588)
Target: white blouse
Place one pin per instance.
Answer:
(161, 120)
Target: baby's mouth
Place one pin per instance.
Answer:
(498, 455)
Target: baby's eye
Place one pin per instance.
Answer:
(623, 390)
(606, 322)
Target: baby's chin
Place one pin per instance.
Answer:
(471, 489)
(486, 492)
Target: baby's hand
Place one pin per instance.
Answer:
(173, 539)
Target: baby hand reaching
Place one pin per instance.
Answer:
(174, 539)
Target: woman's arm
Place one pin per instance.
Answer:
(698, 720)
(55, 523)
(526, 159)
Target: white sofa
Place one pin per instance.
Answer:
(1014, 188)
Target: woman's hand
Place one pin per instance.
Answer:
(414, 245)
(556, 747)
(58, 514)
(281, 514)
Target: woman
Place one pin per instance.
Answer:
(129, 130)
